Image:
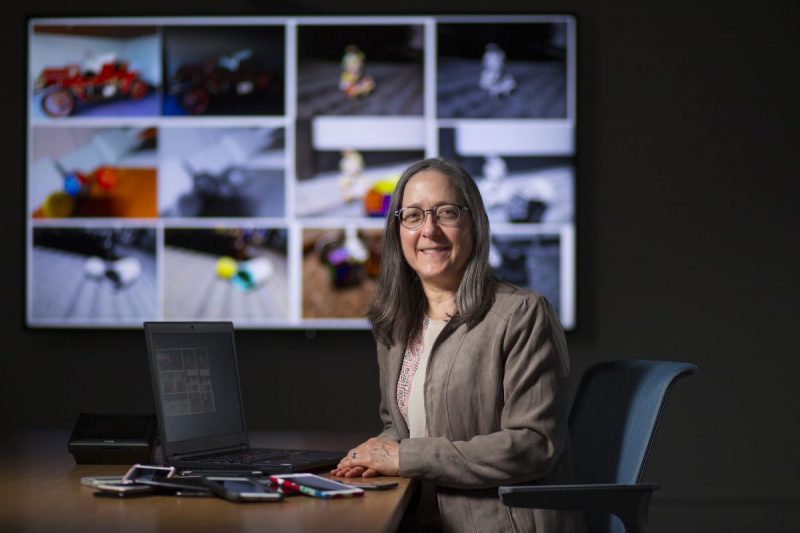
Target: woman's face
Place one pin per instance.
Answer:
(437, 253)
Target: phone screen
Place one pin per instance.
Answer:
(243, 485)
(145, 473)
(317, 482)
(242, 489)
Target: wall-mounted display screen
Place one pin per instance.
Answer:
(240, 168)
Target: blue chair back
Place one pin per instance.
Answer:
(615, 416)
(613, 421)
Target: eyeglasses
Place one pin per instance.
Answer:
(414, 217)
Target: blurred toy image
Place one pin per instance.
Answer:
(379, 196)
(79, 189)
(229, 70)
(219, 81)
(253, 273)
(124, 271)
(531, 261)
(104, 172)
(99, 80)
(339, 179)
(494, 79)
(231, 172)
(494, 170)
(351, 166)
(340, 267)
(226, 272)
(226, 267)
(354, 82)
(345, 260)
(94, 273)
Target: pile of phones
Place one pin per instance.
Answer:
(145, 479)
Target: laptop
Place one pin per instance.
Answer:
(199, 404)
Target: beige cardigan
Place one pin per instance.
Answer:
(496, 404)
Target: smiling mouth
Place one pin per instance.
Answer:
(433, 250)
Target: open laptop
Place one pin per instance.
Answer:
(199, 403)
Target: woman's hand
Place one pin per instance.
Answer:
(374, 457)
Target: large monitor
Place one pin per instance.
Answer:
(240, 168)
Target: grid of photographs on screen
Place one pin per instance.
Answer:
(241, 168)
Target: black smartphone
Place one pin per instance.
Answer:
(183, 484)
(370, 485)
(242, 489)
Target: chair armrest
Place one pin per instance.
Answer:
(604, 498)
(629, 502)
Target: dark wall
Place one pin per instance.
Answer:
(688, 137)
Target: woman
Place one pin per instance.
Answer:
(472, 370)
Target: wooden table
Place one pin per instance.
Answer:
(40, 490)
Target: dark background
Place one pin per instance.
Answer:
(688, 135)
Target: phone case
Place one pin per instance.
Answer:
(316, 493)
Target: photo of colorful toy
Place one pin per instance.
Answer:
(360, 69)
(77, 191)
(379, 196)
(199, 86)
(94, 172)
(223, 70)
(340, 267)
(227, 272)
(354, 82)
(65, 88)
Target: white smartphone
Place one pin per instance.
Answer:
(317, 486)
(93, 481)
(123, 489)
(139, 473)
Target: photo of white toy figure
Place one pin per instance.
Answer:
(494, 79)
(352, 183)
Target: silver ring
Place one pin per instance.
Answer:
(353, 455)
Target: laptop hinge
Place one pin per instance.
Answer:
(179, 456)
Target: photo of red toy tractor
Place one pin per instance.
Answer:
(66, 87)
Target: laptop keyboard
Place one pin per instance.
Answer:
(254, 456)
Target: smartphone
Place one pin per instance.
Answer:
(175, 484)
(372, 485)
(282, 489)
(139, 473)
(93, 481)
(242, 489)
(123, 489)
(317, 486)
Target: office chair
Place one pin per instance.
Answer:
(612, 424)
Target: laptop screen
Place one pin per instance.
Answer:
(196, 380)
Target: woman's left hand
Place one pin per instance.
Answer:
(376, 456)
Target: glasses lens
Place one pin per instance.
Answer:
(448, 214)
(411, 217)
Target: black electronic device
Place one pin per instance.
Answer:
(113, 438)
(199, 404)
(242, 489)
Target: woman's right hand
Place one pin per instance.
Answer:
(355, 471)
(374, 457)
(352, 471)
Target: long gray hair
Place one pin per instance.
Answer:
(398, 307)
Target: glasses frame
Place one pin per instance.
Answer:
(435, 217)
